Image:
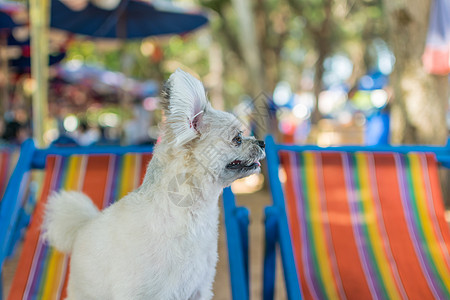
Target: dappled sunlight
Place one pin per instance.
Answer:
(248, 185)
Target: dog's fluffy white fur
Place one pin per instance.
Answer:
(147, 246)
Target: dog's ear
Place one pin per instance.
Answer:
(184, 102)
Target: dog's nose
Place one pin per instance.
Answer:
(261, 144)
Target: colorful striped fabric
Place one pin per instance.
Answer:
(42, 272)
(367, 226)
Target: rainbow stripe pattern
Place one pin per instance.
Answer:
(367, 225)
(42, 272)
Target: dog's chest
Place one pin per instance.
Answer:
(195, 247)
(187, 259)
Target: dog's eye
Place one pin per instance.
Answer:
(237, 140)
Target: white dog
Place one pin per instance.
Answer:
(160, 241)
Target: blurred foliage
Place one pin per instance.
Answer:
(128, 58)
(293, 35)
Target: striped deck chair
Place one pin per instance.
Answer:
(104, 173)
(358, 222)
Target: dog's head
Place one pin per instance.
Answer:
(210, 141)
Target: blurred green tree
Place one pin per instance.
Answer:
(251, 45)
(293, 35)
(421, 100)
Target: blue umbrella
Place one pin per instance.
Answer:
(12, 41)
(7, 9)
(131, 19)
(5, 21)
(22, 64)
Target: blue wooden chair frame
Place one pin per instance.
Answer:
(276, 224)
(33, 158)
(236, 224)
(26, 198)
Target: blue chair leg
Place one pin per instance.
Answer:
(236, 222)
(242, 216)
(271, 235)
(1, 285)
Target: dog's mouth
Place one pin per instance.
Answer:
(240, 165)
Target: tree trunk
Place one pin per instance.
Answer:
(318, 82)
(420, 100)
(252, 57)
(214, 80)
(322, 43)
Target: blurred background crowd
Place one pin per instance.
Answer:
(321, 71)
